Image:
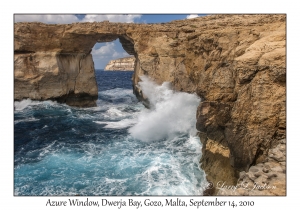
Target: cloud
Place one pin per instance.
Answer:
(63, 19)
(108, 50)
(191, 16)
(103, 54)
(47, 18)
(111, 18)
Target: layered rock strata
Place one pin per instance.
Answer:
(265, 178)
(67, 78)
(235, 63)
(121, 64)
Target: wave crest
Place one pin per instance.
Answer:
(171, 112)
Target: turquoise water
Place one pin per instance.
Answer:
(116, 148)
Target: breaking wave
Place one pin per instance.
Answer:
(116, 148)
(170, 114)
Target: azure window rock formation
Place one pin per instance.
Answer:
(55, 61)
(235, 63)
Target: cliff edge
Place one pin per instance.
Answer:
(235, 63)
(121, 64)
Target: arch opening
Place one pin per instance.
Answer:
(114, 68)
(83, 66)
(103, 52)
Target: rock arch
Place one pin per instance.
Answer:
(235, 63)
(55, 62)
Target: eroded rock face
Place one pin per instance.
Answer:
(54, 61)
(235, 63)
(121, 64)
(265, 178)
(67, 78)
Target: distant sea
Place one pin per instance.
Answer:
(116, 148)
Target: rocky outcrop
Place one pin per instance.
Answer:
(265, 178)
(67, 78)
(235, 63)
(121, 64)
(55, 62)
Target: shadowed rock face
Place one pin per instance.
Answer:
(235, 63)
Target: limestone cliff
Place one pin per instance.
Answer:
(235, 63)
(67, 78)
(121, 64)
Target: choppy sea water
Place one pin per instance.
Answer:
(116, 148)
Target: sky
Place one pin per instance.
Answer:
(103, 52)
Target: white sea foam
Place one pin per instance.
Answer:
(193, 143)
(118, 164)
(170, 113)
(30, 119)
(119, 112)
(114, 112)
(20, 105)
(116, 92)
(166, 175)
(119, 124)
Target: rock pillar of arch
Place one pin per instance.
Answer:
(54, 62)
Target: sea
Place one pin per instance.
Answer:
(118, 147)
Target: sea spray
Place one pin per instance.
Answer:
(20, 105)
(170, 112)
(62, 150)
